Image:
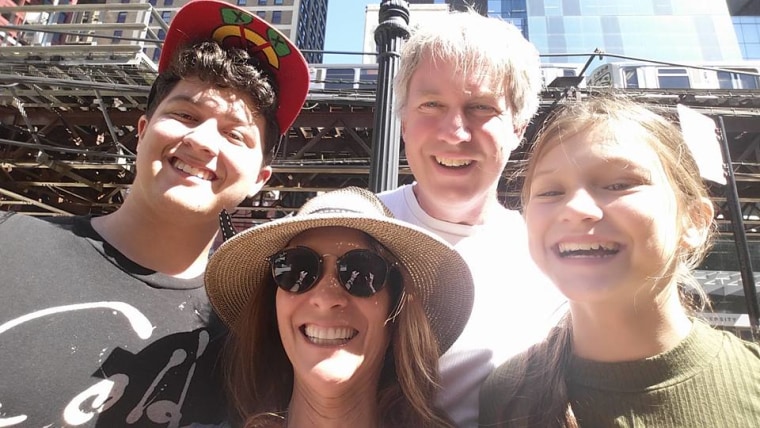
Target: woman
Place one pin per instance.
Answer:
(618, 218)
(338, 316)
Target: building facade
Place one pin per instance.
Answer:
(302, 21)
(661, 30)
(8, 36)
(746, 18)
(126, 22)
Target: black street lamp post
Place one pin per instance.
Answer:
(386, 137)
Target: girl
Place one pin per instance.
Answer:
(618, 218)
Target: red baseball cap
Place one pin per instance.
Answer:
(232, 26)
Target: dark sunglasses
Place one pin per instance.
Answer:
(361, 272)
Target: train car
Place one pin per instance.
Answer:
(343, 77)
(637, 75)
(562, 75)
(363, 77)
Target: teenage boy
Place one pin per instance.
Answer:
(105, 320)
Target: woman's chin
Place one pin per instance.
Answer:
(339, 368)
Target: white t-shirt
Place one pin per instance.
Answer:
(515, 304)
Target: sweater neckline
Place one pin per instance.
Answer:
(692, 355)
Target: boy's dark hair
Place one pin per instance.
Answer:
(223, 68)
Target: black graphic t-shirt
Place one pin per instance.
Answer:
(89, 338)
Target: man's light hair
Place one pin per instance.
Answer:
(476, 44)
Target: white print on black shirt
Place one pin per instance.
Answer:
(155, 396)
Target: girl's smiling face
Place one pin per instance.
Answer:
(602, 215)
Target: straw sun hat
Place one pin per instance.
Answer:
(440, 278)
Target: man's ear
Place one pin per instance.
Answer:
(697, 222)
(258, 183)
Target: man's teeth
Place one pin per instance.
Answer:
(597, 249)
(329, 335)
(196, 172)
(453, 162)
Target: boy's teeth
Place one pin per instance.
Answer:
(196, 172)
(453, 162)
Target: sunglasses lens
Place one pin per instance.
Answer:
(362, 272)
(295, 269)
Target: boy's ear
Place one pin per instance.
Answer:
(697, 222)
(142, 124)
(258, 183)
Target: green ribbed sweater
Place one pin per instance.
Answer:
(711, 379)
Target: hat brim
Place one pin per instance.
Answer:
(232, 26)
(440, 278)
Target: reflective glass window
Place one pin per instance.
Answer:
(673, 78)
(553, 7)
(536, 7)
(662, 7)
(571, 8)
(752, 51)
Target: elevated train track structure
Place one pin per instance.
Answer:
(69, 109)
(68, 140)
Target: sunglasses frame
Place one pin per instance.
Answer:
(389, 266)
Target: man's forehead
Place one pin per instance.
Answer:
(471, 84)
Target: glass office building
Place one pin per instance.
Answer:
(663, 30)
(748, 36)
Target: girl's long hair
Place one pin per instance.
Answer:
(540, 395)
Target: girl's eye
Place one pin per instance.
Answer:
(547, 193)
(620, 186)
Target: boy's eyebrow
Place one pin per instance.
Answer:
(180, 97)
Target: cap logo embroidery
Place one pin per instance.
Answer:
(273, 47)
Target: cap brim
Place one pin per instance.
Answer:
(232, 26)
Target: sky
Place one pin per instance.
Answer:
(345, 29)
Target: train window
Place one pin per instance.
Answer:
(631, 77)
(368, 78)
(339, 78)
(738, 81)
(749, 82)
(673, 78)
